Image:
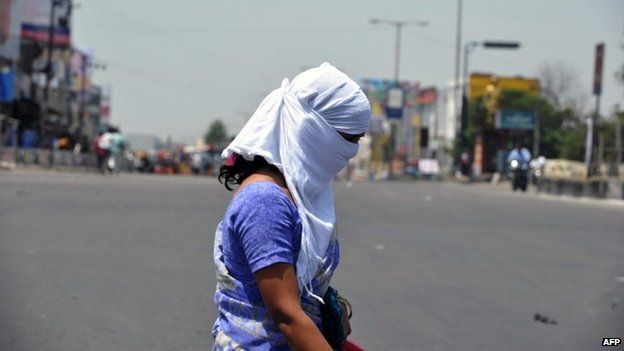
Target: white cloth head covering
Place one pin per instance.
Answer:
(296, 129)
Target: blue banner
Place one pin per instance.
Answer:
(515, 120)
(6, 84)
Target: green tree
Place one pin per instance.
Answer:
(217, 134)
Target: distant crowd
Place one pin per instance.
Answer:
(178, 162)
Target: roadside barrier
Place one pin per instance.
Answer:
(46, 158)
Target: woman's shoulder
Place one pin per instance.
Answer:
(261, 207)
(264, 195)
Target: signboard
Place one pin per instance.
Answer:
(480, 82)
(7, 77)
(514, 119)
(428, 166)
(427, 96)
(377, 91)
(394, 103)
(598, 61)
(9, 29)
(36, 21)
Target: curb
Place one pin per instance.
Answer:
(581, 199)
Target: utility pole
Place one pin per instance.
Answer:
(83, 92)
(397, 51)
(618, 140)
(48, 76)
(590, 151)
(601, 149)
(463, 121)
(536, 133)
(50, 51)
(469, 47)
(398, 25)
(597, 157)
(397, 62)
(48, 73)
(458, 44)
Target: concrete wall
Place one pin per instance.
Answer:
(600, 188)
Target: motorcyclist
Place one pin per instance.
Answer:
(523, 157)
(520, 154)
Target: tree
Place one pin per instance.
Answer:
(562, 87)
(217, 134)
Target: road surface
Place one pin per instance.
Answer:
(125, 263)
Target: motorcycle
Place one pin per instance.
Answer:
(110, 165)
(519, 177)
(536, 174)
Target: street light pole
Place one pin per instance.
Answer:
(458, 40)
(398, 25)
(50, 48)
(469, 48)
(618, 140)
(397, 52)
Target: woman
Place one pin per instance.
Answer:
(276, 247)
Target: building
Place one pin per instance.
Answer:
(49, 92)
(497, 125)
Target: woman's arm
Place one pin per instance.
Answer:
(278, 286)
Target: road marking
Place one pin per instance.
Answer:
(380, 247)
(619, 279)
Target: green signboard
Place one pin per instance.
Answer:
(515, 119)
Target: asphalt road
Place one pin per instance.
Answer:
(125, 263)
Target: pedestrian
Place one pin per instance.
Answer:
(116, 149)
(276, 248)
(100, 152)
(464, 163)
(105, 143)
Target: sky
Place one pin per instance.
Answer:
(176, 66)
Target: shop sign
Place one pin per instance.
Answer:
(395, 102)
(515, 119)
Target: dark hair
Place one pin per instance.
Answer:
(236, 173)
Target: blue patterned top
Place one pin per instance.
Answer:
(261, 227)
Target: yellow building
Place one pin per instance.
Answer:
(479, 83)
(501, 127)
